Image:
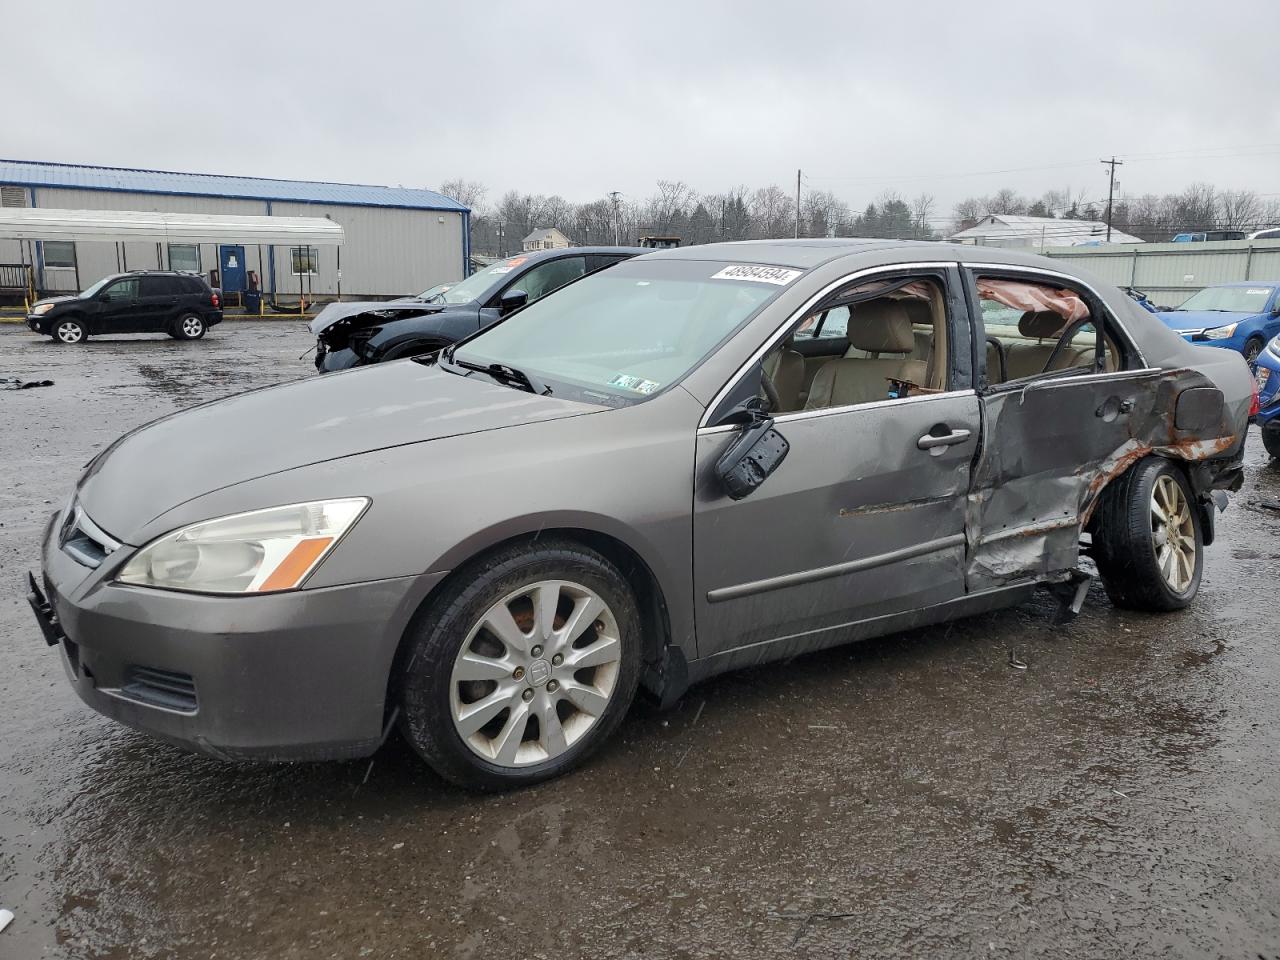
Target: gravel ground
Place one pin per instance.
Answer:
(918, 795)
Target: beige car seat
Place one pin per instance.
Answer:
(875, 327)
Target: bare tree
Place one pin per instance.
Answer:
(469, 193)
(1238, 209)
(967, 213)
(921, 212)
(824, 214)
(1004, 201)
(773, 213)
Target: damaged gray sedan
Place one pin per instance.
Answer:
(699, 459)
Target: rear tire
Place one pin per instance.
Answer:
(1148, 544)
(459, 656)
(69, 331)
(189, 326)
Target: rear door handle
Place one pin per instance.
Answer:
(929, 441)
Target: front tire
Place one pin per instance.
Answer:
(1148, 544)
(69, 331)
(523, 667)
(1271, 441)
(1252, 350)
(189, 326)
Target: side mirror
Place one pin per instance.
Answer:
(512, 300)
(1275, 310)
(751, 458)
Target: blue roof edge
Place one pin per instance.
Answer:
(432, 200)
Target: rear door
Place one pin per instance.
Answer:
(1076, 412)
(864, 519)
(158, 304)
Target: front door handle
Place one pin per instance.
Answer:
(929, 440)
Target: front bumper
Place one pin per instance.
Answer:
(287, 676)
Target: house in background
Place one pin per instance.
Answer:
(545, 238)
(1037, 233)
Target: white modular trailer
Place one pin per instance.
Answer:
(397, 241)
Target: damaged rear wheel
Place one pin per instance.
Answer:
(1148, 542)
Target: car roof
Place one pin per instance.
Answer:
(806, 254)
(570, 252)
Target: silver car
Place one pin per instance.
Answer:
(702, 458)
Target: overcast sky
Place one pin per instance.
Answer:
(582, 98)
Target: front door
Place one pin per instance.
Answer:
(231, 268)
(117, 307)
(865, 518)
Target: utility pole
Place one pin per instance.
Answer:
(615, 196)
(1111, 189)
(797, 204)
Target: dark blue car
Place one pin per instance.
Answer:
(1236, 316)
(1268, 374)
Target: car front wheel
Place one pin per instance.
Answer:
(523, 668)
(1148, 542)
(69, 331)
(190, 326)
(1252, 350)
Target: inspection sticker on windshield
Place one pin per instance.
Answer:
(636, 384)
(752, 271)
(1260, 292)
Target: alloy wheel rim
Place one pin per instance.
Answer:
(1252, 351)
(1173, 534)
(535, 674)
(70, 332)
(191, 326)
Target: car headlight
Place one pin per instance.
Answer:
(1274, 346)
(1221, 333)
(259, 552)
(41, 309)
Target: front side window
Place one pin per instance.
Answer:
(304, 260)
(876, 340)
(59, 253)
(624, 333)
(123, 290)
(184, 256)
(1229, 300)
(546, 277)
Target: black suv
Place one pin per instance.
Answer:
(143, 301)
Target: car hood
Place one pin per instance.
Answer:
(64, 299)
(377, 310)
(1200, 319)
(305, 422)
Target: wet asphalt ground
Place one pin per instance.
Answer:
(998, 787)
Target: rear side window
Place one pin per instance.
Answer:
(161, 286)
(1037, 327)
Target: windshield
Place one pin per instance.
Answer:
(471, 288)
(91, 291)
(1229, 299)
(431, 293)
(626, 332)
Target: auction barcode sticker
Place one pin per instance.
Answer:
(751, 271)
